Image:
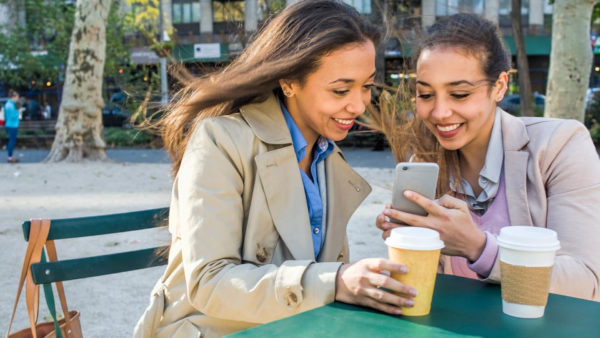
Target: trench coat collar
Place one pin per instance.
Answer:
(284, 192)
(267, 121)
(516, 158)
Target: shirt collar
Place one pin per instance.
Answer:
(495, 153)
(324, 145)
(492, 167)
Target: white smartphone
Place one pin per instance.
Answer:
(420, 177)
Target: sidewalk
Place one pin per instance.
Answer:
(357, 157)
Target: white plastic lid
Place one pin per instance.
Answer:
(414, 238)
(528, 238)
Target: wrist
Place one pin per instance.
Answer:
(338, 279)
(478, 246)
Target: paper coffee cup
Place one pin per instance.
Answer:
(526, 260)
(418, 249)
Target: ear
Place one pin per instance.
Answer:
(500, 87)
(286, 87)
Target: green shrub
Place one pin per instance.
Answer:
(119, 137)
(592, 119)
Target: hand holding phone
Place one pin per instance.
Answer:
(420, 177)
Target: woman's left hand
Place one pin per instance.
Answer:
(449, 216)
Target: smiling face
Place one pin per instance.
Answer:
(329, 100)
(456, 100)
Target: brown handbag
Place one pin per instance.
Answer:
(70, 326)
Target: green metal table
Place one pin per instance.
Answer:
(461, 307)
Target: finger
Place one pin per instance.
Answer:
(405, 218)
(429, 205)
(407, 291)
(380, 221)
(386, 234)
(450, 202)
(388, 298)
(383, 307)
(379, 264)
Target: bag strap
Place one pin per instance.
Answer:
(37, 237)
(33, 234)
(51, 249)
(49, 296)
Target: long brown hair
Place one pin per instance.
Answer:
(396, 114)
(290, 46)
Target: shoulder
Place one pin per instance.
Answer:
(546, 126)
(219, 129)
(554, 134)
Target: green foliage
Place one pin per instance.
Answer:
(36, 53)
(117, 51)
(592, 119)
(144, 17)
(47, 29)
(119, 137)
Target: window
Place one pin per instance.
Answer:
(176, 13)
(449, 7)
(186, 11)
(362, 6)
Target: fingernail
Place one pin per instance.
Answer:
(408, 193)
(413, 292)
(403, 269)
(397, 311)
(409, 303)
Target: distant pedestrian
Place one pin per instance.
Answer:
(12, 116)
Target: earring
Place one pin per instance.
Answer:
(286, 92)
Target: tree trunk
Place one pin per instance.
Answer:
(570, 59)
(79, 126)
(522, 63)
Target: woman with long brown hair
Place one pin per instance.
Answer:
(262, 195)
(496, 169)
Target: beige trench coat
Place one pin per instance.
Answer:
(552, 177)
(241, 251)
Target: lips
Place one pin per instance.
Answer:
(448, 130)
(344, 124)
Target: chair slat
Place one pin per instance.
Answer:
(70, 269)
(104, 224)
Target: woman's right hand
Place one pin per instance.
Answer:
(363, 283)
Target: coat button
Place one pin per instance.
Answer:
(316, 231)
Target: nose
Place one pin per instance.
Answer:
(441, 108)
(358, 102)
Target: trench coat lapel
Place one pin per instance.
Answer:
(280, 178)
(516, 158)
(345, 191)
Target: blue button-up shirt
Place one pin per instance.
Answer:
(312, 189)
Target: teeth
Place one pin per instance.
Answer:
(344, 121)
(448, 128)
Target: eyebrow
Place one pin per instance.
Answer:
(350, 80)
(450, 84)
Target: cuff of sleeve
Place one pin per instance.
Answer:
(304, 285)
(484, 264)
(319, 284)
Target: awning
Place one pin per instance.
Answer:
(199, 52)
(534, 45)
